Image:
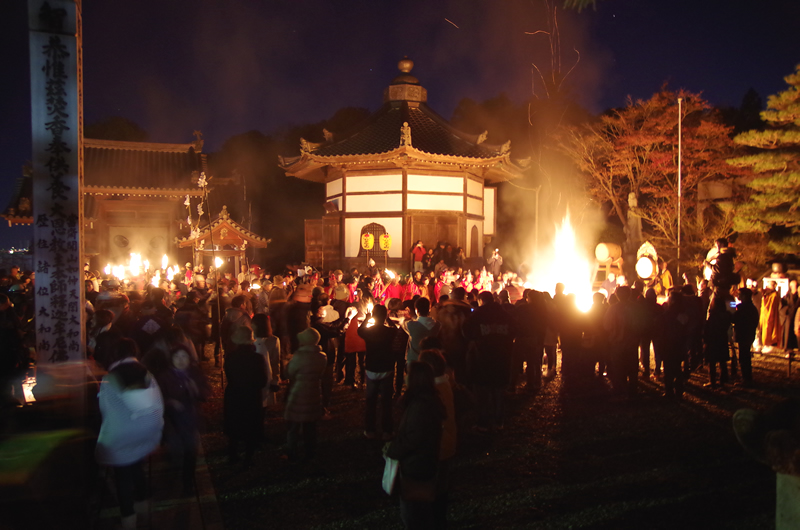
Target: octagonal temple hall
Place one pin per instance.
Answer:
(406, 172)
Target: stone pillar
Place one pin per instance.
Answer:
(56, 122)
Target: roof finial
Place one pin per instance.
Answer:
(405, 65)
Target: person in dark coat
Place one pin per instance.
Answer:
(451, 316)
(594, 336)
(790, 302)
(672, 327)
(745, 324)
(695, 308)
(492, 331)
(243, 414)
(183, 387)
(715, 338)
(379, 363)
(531, 318)
(192, 321)
(650, 314)
(623, 324)
(416, 447)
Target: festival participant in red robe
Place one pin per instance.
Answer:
(393, 290)
(412, 289)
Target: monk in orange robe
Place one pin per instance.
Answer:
(770, 320)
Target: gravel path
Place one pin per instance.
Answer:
(566, 459)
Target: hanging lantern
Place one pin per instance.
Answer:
(385, 242)
(367, 241)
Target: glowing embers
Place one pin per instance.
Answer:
(566, 262)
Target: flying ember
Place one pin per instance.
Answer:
(567, 262)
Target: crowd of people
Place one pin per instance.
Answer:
(445, 343)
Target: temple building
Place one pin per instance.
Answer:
(405, 172)
(134, 194)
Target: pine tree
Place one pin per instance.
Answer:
(774, 205)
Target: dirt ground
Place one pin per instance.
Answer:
(566, 459)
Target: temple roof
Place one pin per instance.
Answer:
(20, 209)
(221, 232)
(140, 164)
(126, 169)
(404, 127)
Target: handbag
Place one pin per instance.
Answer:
(390, 474)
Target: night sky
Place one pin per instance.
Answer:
(228, 67)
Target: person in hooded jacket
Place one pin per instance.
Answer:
(304, 398)
(132, 409)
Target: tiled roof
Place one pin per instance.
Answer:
(430, 133)
(19, 210)
(224, 220)
(140, 165)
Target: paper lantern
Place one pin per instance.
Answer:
(367, 241)
(385, 242)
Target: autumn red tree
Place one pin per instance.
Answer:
(629, 162)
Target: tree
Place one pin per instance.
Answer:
(628, 160)
(774, 204)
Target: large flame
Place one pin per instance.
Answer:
(564, 262)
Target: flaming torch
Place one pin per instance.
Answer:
(371, 321)
(164, 262)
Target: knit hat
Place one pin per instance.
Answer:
(341, 292)
(308, 337)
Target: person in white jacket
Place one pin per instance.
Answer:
(133, 417)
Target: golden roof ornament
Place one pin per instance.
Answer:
(405, 135)
(224, 213)
(405, 65)
(304, 146)
(505, 148)
(328, 135)
(482, 137)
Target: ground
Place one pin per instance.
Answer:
(566, 459)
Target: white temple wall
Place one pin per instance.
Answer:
(384, 202)
(352, 234)
(436, 184)
(333, 187)
(489, 208)
(374, 183)
(474, 206)
(474, 188)
(446, 203)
